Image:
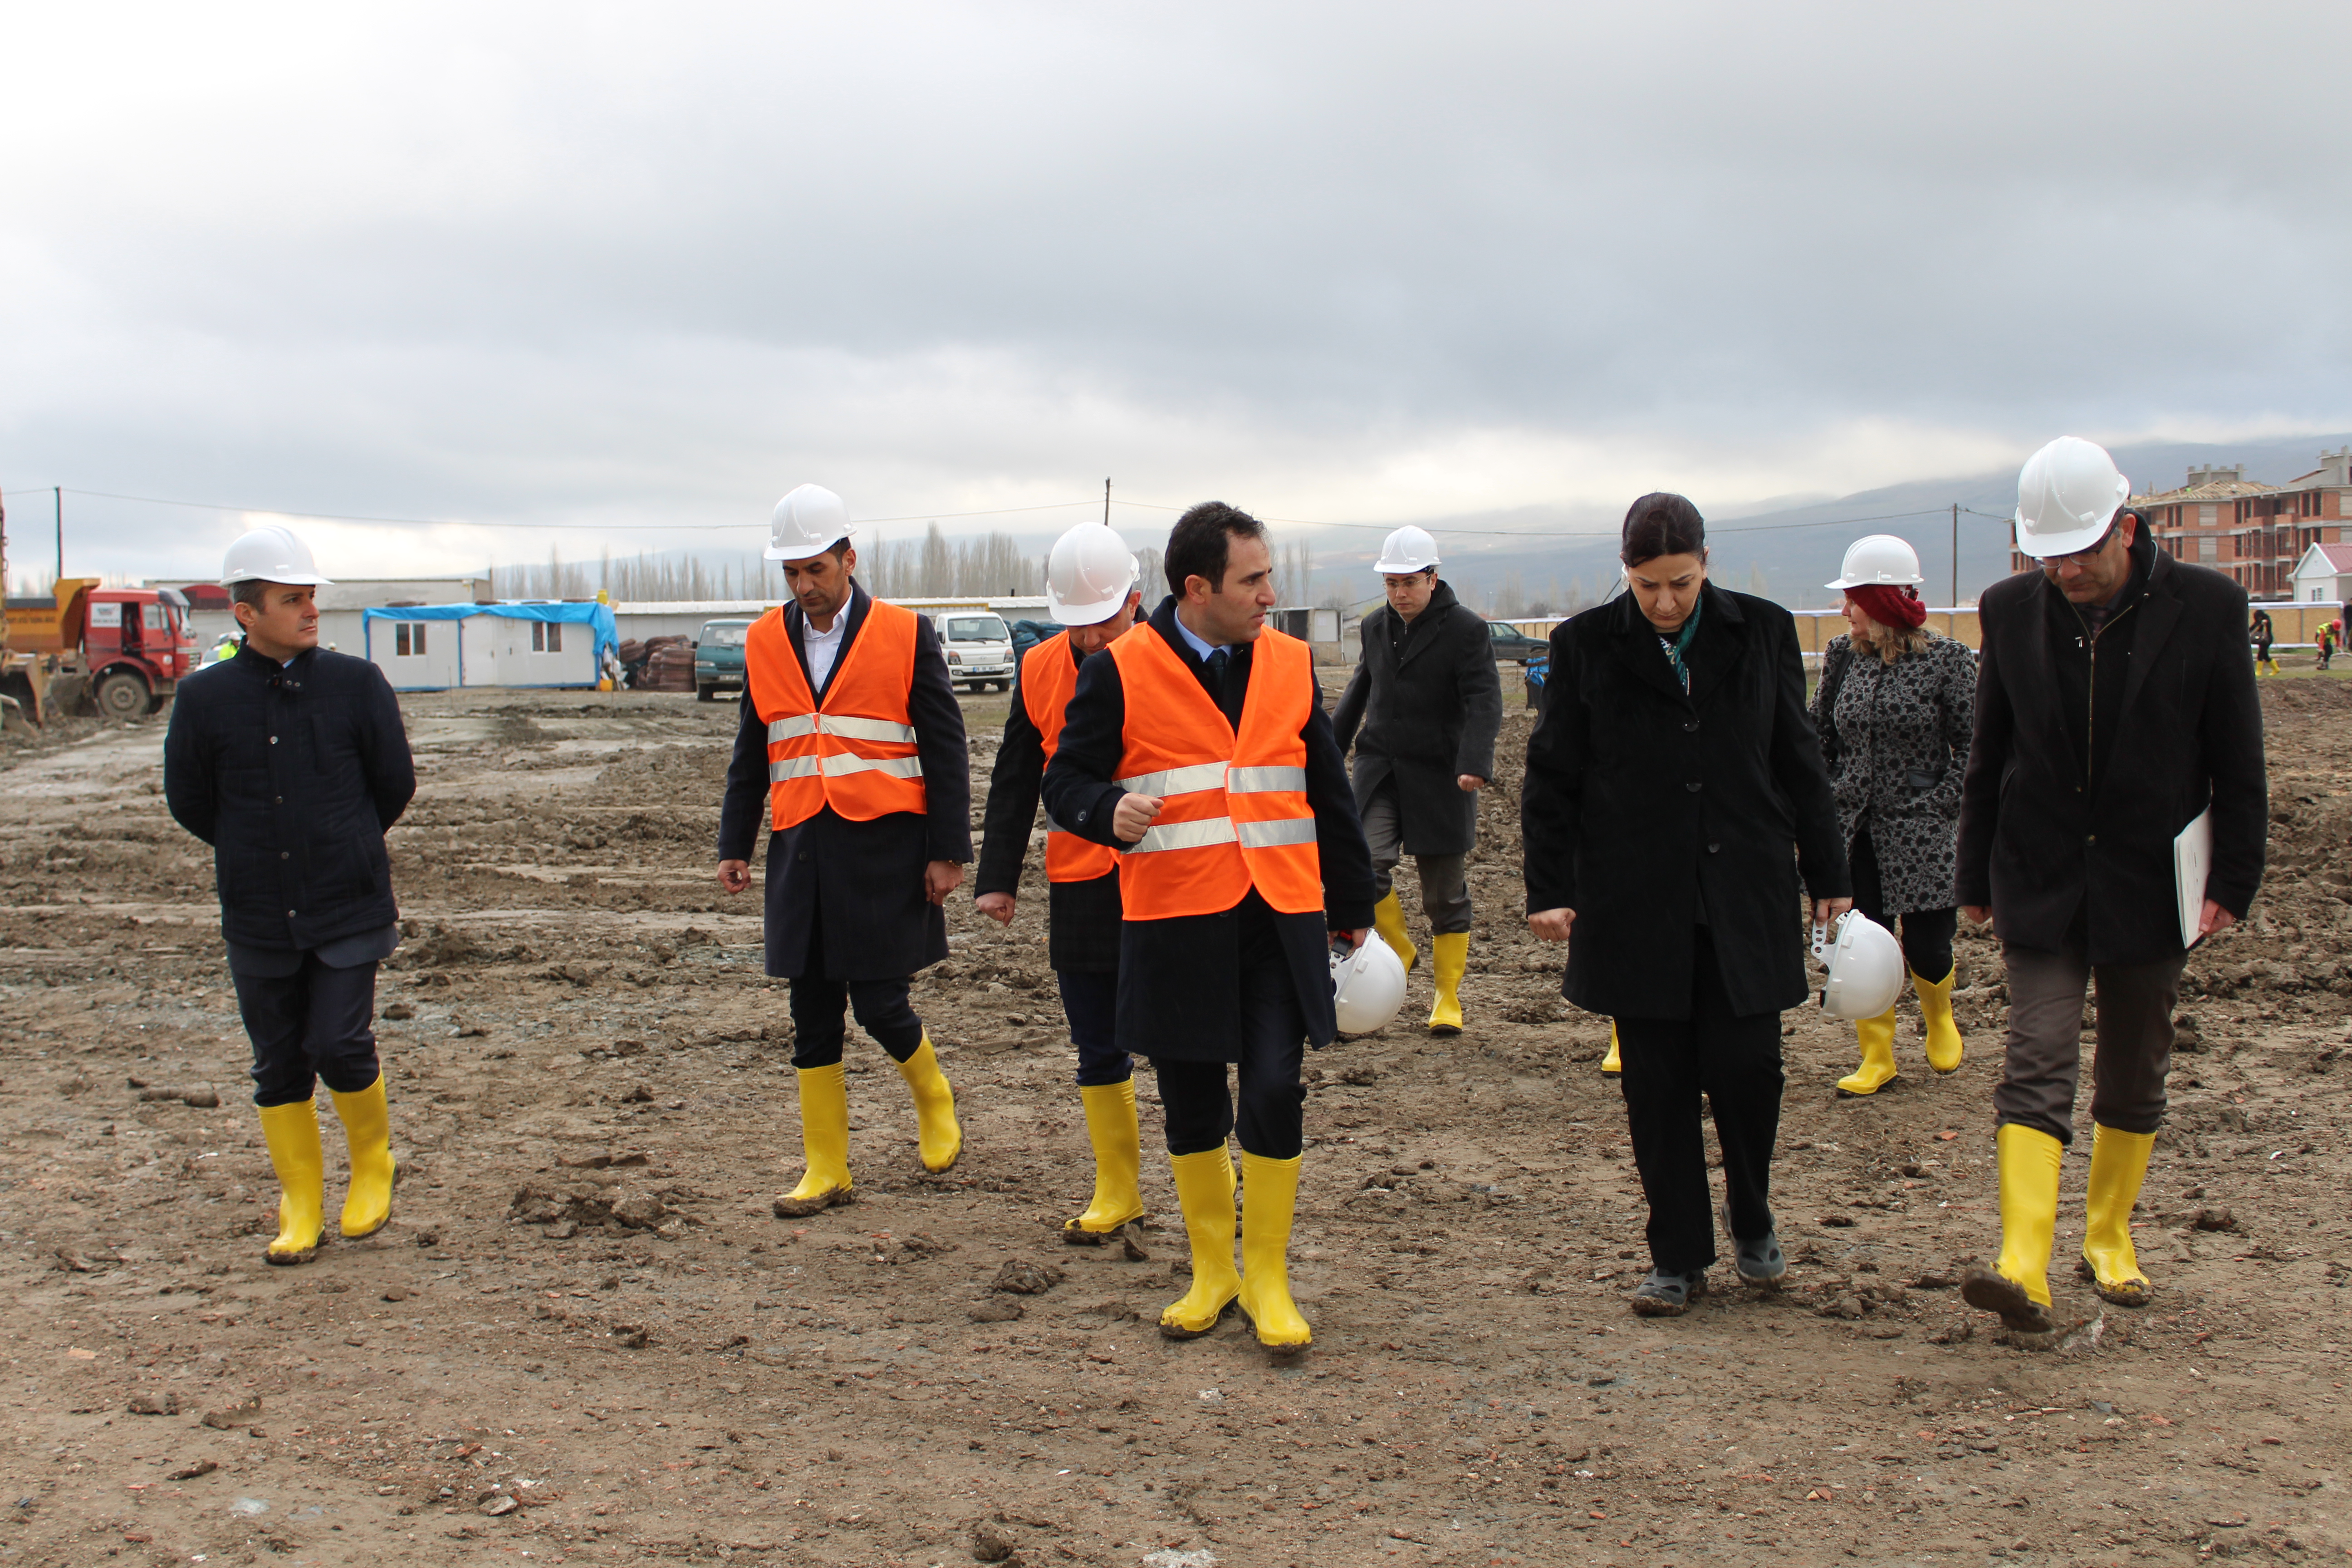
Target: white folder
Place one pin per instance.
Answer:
(2192, 862)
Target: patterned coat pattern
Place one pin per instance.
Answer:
(1896, 738)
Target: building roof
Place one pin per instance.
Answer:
(2221, 490)
(2338, 558)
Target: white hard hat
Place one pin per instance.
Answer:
(1865, 965)
(1089, 576)
(273, 554)
(1367, 986)
(1878, 558)
(809, 521)
(1406, 549)
(2067, 494)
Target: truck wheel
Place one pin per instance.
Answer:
(121, 696)
(705, 693)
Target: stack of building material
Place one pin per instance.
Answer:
(669, 665)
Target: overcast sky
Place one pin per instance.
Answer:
(587, 264)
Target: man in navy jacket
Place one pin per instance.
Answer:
(292, 764)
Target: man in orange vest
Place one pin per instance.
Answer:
(853, 745)
(1197, 748)
(1090, 584)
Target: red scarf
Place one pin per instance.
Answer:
(1889, 605)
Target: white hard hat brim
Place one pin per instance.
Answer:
(289, 577)
(1092, 613)
(1398, 568)
(788, 556)
(2041, 547)
(1841, 583)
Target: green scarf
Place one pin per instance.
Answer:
(1676, 647)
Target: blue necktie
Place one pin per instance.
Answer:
(1216, 668)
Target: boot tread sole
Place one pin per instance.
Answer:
(293, 1259)
(2133, 1292)
(786, 1206)
(1996, 1293)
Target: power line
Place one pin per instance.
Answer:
(460, 523)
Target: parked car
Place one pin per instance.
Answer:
(978, 648)
(718, 658)
(1515, 645)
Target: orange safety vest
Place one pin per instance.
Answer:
(855, 752)
(1235, 813)
(1048, 676)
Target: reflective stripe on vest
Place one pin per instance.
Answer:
(855, 753)
(1048, 676)
(1234, 813)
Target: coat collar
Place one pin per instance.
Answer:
(1637, 645)
(796, 622)
(1440, 600)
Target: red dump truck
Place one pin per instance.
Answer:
(127, 650)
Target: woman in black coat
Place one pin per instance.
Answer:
(1675, 789)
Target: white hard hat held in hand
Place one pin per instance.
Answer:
(2067, 494)
(1367, 986)
(1879, 558)
(271, 554)
(1089, 576)
(1406, 549)
(809, 521)
(1865, 965)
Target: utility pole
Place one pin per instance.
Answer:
(1955, 600)
(1106, 501)
(58, 493)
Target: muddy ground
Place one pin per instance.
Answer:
(585, 1338)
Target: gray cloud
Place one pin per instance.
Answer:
(597, 264)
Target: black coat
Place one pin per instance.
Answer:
(1179, 979)
(2178, 727)
(1081, 918)
(293, 775)
(861, 881)
(1422, 709)
(1642, 802)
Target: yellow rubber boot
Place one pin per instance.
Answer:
(1614, 1062)
(937, 1134)
(1388, 920)
(367, 1127)
(1205, 1191)
(1118, 1158)
(1269, 1197)
(1878, 1069)
(2018, 1287)
(825, 1141)
(2118, 1166)
(293, 1134)
(1945, 1047)
(1452, 951)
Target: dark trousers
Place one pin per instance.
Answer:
(312, 1023)
(2044, 1050)
(820, 1006)
(1735, 1063)
(1444, 887)
(1927, 934)
(1090, 1002)
(1193, 1095)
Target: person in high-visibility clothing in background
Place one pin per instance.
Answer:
(1090, 584)
(2112, 712)
(1422, 712)
(1199, 749)
(852, 744)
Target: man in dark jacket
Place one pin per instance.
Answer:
(2115, 705)
(1421, 711)
(291, 763)
(1090, 583)
(1241, 853)
(852, 745)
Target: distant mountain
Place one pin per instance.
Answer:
(1788, 554)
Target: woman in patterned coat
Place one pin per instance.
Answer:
(1895, 709)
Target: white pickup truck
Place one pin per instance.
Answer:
(978, 648)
